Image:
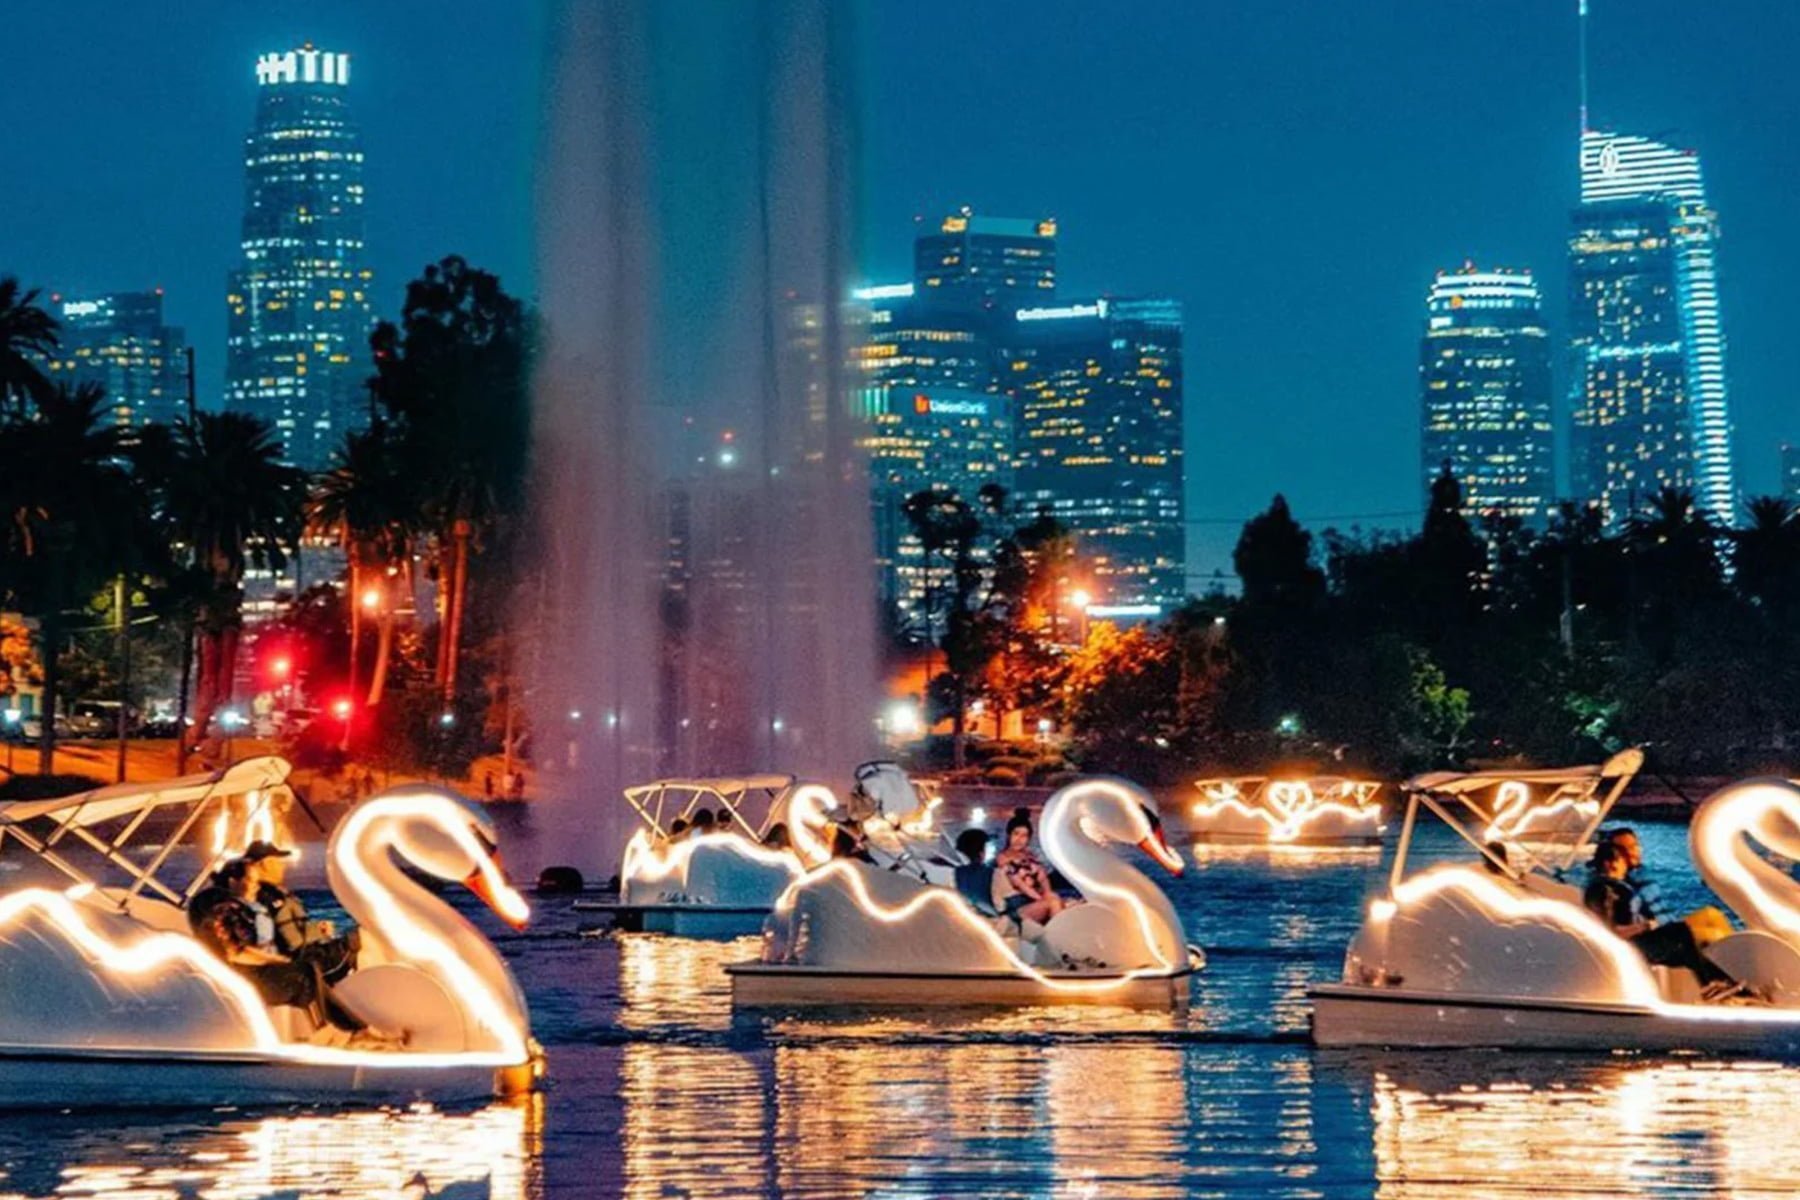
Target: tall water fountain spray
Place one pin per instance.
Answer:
(703, 598)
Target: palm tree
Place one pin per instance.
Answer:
(225, 497)
(371, 503)
(1768, 554)
(453, 376)
(27, 336)
(72, 519)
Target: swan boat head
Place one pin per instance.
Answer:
(424, 966)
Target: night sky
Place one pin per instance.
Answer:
(1293, 170)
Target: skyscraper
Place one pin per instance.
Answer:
(1649, 403)
(119, 341)
(1790, 471)
(923, 380)
(1097, 390)
(992, 264)
(1484, 390)
(299, 300)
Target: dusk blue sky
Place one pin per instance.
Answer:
(1293, 170)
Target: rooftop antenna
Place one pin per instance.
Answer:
(1581, 15)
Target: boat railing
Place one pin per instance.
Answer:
(83, 817)
(659, 804)
(1457, 800)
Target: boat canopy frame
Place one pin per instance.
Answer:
(652, 801)
(1454, 797)
(265, 778)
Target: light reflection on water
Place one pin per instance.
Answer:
(493, 1152)
(1636, 1129)
(659, 1090)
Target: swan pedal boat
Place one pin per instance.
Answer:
(1505, 956)
(1259, 810)
(719, 884)
(858, 934)
(107, 999)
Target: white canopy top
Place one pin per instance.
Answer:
(1625, 762)
(124, 799)
(724, 785)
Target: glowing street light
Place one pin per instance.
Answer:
(902, 720)
(342, 708)
(446, 719)
(1080, 599)
(371, 599)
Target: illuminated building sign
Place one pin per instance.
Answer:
(940, 407)
(883, 291)
(1062, 312)
(81, 308)
(304, 65)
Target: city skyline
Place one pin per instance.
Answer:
(1227, 228)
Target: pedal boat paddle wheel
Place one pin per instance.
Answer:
(859, 934)
(107, 999)
(1501, 953)
(723, 883)
(1260, 810)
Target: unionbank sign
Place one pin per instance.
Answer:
(940, 406)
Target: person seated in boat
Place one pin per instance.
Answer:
(1650, 900)
(226, 919)
(678, 829)
(1022, 887)
(1611, 897)
(703, 822)
(292, 933)
(777, 837)
(975, 877)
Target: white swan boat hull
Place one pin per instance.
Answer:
(40, 1078)
(1353, 1015)
(769, 985)
(682, 920)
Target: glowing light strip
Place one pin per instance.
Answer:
(1514, 816)
(1289, 805)
(1717, 826)
(1134, 804)
(410, 938)
(807, 809)
(953, 903)
(164, 949)
(644, 863)
(1634, 970)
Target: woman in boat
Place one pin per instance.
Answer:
(1022, 887)
(1611, 897)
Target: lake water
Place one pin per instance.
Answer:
(656, 1090)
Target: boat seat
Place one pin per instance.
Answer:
(1551, 889)
(1678, 985)
(975, 883)
(291, 1024)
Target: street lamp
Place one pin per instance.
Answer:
(1081, 599)
(232, 720)
(13, 717)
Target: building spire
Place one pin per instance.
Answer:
(1581, 16)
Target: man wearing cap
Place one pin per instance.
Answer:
(289, 931)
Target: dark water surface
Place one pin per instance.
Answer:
(655, 1090)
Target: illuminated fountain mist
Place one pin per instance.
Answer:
(703, 600)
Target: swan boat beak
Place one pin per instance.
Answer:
(489, 882)
(1157, 848)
